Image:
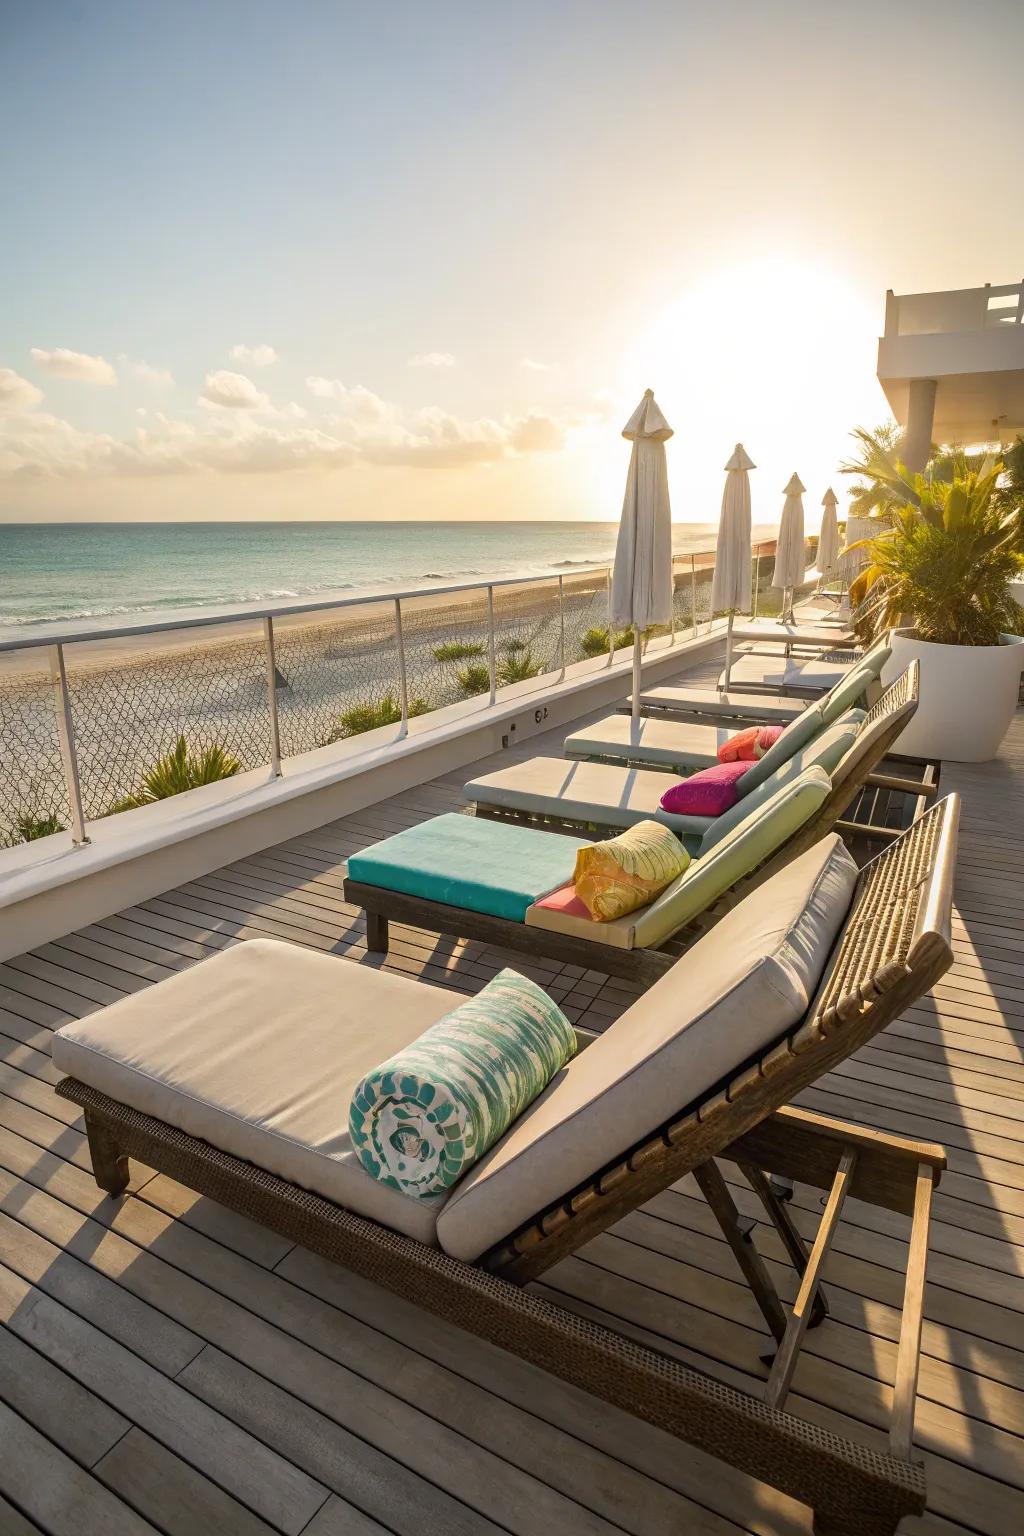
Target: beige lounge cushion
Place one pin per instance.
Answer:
(670, 743)
(606, 794)
(258, 1051)
(738, 990)
(706, 701)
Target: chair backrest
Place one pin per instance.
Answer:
(800, 730)
(851, 688)
(755, 838)
(894, 945)
(825, 750)
(880, 729)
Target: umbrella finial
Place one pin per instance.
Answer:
(830, 499)
(740, 459)
(794, 488)
(647, 421)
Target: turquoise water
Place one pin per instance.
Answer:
(90, 570)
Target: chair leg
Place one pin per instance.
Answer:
(377, 933)
(109, 1165)
(775, 1207)
(737, 1234)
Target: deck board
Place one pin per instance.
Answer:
(165, 1364)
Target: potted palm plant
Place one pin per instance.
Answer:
(938, 579)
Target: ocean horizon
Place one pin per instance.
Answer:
(53, 572)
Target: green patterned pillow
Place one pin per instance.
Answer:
(422, 1118)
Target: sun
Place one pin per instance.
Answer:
(777, 353)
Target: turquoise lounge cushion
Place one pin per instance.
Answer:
(467, 861)
(428, 1113)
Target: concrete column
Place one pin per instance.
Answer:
(916, 442)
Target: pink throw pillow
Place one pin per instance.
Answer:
(747, 746)
(707, 793)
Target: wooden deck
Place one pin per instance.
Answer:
(167, 1366)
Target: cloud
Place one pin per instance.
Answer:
(432, 360)
(262, 439)
(233, 391)
(82, 366)
(532, 364)
(256, 357)
(535, 433)
(158, 378)
(16, 393)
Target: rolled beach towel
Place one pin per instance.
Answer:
(424, 1116)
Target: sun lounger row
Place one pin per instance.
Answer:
(234, 1077)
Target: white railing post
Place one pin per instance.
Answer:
(403, 680)
(275, 730)
(66, 737)
(672, 630)
(608, 601)
(693, 593)
(757, 581)
(492, 668)
(561, 622)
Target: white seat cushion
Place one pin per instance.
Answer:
(671, 743)
(604, 793)
(258, 1051)
(747, 982)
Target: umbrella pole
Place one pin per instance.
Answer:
(728, 649)
(636, 673)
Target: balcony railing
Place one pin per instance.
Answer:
(84, 712)
(954, 311)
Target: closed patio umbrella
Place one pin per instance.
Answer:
(828, 539)
(789, 551)
(730, 589)
(642, 574)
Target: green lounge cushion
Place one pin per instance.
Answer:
(467, 861)
(742, 850)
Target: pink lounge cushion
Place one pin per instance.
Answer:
(749, 745)
(707, 793)
(565, 900)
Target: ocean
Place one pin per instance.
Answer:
(73, 571)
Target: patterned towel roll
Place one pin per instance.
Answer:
(422, 1118)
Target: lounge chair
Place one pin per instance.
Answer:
(512, 885)
(658, 742)
(805, 676)
(608, 796)
(792, 635)
(698, 1069)
(688, 701)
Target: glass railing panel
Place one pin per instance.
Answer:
(135, 699)
(337, 674)
(585, 602)
(33, 790)
(445, 637)
(527, 630)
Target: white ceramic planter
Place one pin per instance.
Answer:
(968, 696)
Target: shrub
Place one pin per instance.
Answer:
(31, 825)
(179, 770)
(371, 713)
(943, 560)
(475, 679)
(517, 668)
(512, 646)
(456, 650)
(595, 641)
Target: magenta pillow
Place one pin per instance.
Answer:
(707, 793)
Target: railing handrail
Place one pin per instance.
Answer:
(157, 620)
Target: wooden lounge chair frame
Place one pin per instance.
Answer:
(880, 728)
(894, 945)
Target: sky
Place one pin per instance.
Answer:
(421, 260)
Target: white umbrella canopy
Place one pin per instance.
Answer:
(828, 539)
(642, 574)
(789, 550)
(730, 589)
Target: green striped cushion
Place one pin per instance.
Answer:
(420, 1119)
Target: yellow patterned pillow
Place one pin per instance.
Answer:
(628, 871)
